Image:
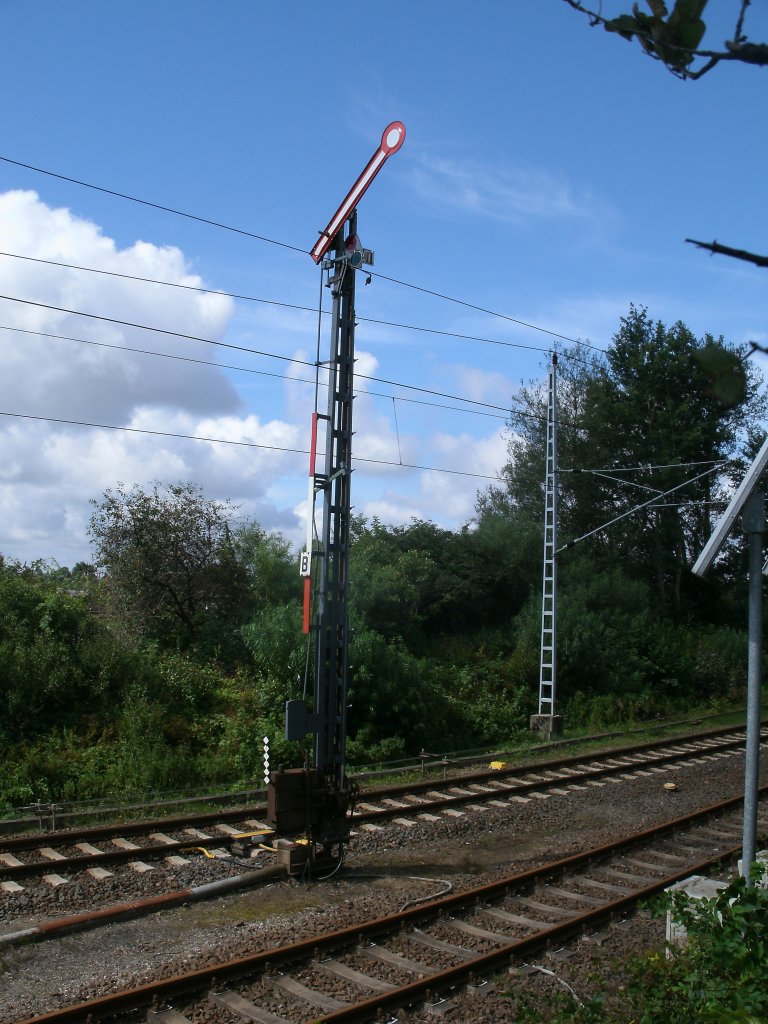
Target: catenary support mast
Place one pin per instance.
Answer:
(546, 721)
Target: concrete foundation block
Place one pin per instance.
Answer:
(697, 887)
(546, 725)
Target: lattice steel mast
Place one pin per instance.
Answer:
(546, 720)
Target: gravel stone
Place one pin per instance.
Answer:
(384, 870)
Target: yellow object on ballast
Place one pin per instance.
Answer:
(198, 849)
(670, 786)
(498, 766)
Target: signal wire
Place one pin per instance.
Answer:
(273, 302)
(154, 206)
(286, 245)
(482, 309)
(248, 369)
(239, 444)
(250, 351)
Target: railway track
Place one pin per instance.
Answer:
(430, 954)
(52, 859)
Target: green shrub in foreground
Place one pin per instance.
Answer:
(719, 977)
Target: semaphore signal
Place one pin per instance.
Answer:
(315, 800)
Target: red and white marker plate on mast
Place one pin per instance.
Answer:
(392, 139)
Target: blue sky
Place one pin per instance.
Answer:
(550, 173)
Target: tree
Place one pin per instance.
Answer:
(171, 563)
(649, 403)
(58, 664)
(421, 583)
(271, 565)
(673, 38)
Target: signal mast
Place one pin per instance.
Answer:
(314, 801)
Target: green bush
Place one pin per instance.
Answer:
(718, 977)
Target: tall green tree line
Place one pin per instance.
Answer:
(166, 664)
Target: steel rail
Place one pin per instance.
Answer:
(96, 832)
(30, 840)
(66, 812)
(520, 786)
(128, 828)
(555, 764)
(591, 771)
(468, 970)
(89, 860)
(213, 975)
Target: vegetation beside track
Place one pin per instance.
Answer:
(717, 978)
(161, 665)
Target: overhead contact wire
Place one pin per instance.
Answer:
(274, 302)
(294, 248)
(238, 444)
(250, 351)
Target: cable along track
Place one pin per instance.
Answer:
(424, 955)
(45, 856)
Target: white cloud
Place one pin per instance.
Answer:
(87, 379)
(511, 192)
(50, 471)
(486, 386)
(445, 498)
(464, 453)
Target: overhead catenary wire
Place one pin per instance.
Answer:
(625, 483)
(285, 245)
(251, 370)
(690, 504)
(632, 469)
(239, 444)
(637, 508)
(250, 351)
(604, 475)
(397, 430)
(274, 302)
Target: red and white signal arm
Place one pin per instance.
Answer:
(392, 139)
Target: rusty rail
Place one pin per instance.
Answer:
(215, 975)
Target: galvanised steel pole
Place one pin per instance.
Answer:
(753, 524)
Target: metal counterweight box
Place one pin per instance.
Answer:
(294, 800)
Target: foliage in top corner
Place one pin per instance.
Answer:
(673, 38)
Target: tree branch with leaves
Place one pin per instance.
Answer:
(673, 37)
